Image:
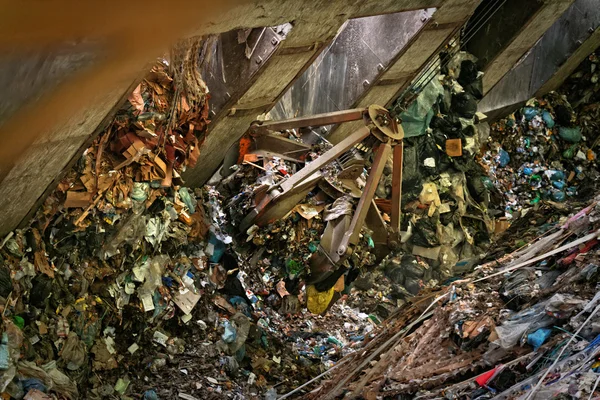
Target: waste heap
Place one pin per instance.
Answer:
(525, 323)
(545, 151)
(527, 317)
(125, 283)
(448, 220)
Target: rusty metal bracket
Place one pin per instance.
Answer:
(280, 198)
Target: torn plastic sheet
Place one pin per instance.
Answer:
(417, 117)
(511, 332)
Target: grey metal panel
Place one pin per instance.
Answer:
(358, 55)
(235, 58)
(514, 88)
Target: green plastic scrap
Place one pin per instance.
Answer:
(487, 182)
(20, 322)
(293, 267)
(122, 385)
(334, 340)
(570, 152)
(186, 197)
(371, 242)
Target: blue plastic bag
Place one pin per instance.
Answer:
(537, 338)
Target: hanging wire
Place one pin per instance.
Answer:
(430, 71)
(484, 17)
(473, 30)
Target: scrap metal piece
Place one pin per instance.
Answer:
(336, 117)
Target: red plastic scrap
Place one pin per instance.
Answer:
(483, 379)
(571, 257)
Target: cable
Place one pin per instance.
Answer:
(431, 71)
(567, 246)
(473, 28)
(468, 36)
(536, 388)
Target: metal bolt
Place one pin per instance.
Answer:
(213, 113)
(341, 250)
(380, 67)
(274, 41)
(366, 83)
(591, 30)
(228, 95)
(259, 60)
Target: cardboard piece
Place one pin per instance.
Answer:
(251, 157)
(454, 147)
(78, 199)
(501, 225)
(186, 301)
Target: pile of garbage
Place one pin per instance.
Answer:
(448, 220)
(521, 326)
(127, 283)
(546, 150)
(525, 323)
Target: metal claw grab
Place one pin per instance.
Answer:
(274, 202)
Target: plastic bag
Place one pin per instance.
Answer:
(50, 376)
(6, 285)
(571, 135)
(464, 105)
(130, 231)
(417, 117)
(242, 327)
(73, 352)
(537, 338)
(514, 330)
(230, 333)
